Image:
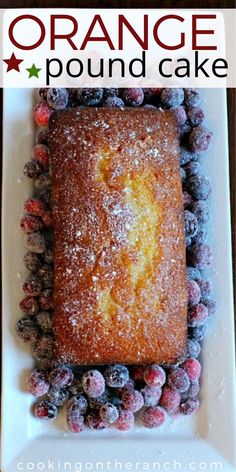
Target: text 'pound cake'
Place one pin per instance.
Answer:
(119, 282)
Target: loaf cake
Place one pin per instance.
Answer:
(120, 270)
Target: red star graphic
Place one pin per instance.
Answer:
(13, 63)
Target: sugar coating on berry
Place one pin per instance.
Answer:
(32, 286)
(199, 332)
(40, 153)
(32, 261)
(32, 169)
(114, 102)
(57, 98)
(42, 349)
(154, 376)
(133, 97)
(200, 256)
(90, 96)
(170, 399)
(197, 315)
(194, 292)
(38, 382)
(36, 242)
(193, 368)
(172, 97)
(193, 274)
(189, 406)
(190, 224)
(178, 379)
(29, 305)
(199, 187)
(206, 287)
(75, 421)
(26, 330)
(46, 275)
(201, 210)
(195, 116)
(153, 417)
(201, 237)
(200, 139)
(186, 198)
(35, 207)
(116, 376)
(192, 168)
(180, 114)
(61, 376)
(151, 395)
(109, 413)
(210, 304)
(94, 421)
(186, 156)
(78, 402)
(132, 400)
(110, 92)
(42, 113)
(192, 391)
(193, 348)
(58, 396)
(45, 410)
(125, 420)
(191, 97)
(96, 403)
(46, 300)
(30, 223)
(93, 383)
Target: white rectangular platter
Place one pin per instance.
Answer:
(205, 441)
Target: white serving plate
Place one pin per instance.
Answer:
(196, 442)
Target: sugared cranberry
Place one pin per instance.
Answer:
(190, 223)
(61, 376)
(195, 116)
(32, 286)
(57, 98)
(133, 97)
(191, 97)
(109, 413)
(32, 262)
(29, 305)
(197, 315)
(193, 368)
(42, 113)
(200, 139)
(170, 399)
(78, 402)
(178, 379)
(48, 256)
(38, 382)
(30, 223)
(172, 97)
(46, 276)
(32, 169)
(199, 187)
(192, 391)
(194, 292)
(180, 114)
(152, 94)
(132, 400)
(153, 417)
(90, 96)
(36, 242)
(151, 395)
(193, 348)
(75, 421)
(96, 403)
(154, 376)
(186, 156)
(114, 102)
(125, 420)
(210, 304)
(35, 207)
(192, 168)
(43, 348)
(26, 330)
(46, 300)
(47, 219)
(40, 154)
(94, 421)
(189, 406)
(93, 383)
(110, 92)
(206, 287)
(199, 332)
(45, 410)
(201, 210)
(43, 182)
(58, 396)
(116, 376)
(44, 321)
(199, 256)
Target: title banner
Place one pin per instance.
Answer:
(117, 47)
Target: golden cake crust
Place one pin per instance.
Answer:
(120, 270)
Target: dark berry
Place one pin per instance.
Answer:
(46, 300)
(40, 154)
(151, 395)
(199, 256)
(72, 101)
(29, 305)
(172, 97)
(94, 421)
(191, 97)
(154, 376)
(48, 256)
(186, 198)
(178, 379)
(57, 98)
(35, 207)
(116, 376)
(193, 368)
(43, 93)
(152, 94)
(193, 274)
(90, 96)
(42, 349)
(192, 168)
(44, 321)
(61, 376)
(36, 243)
(26, 330)
(190, 223)
(32, 169)
(96, 403)
(191, 392)
(199, 332)
(58, 396)
(45, 410)
(42, 137)
(201, 210)
(109, 413)
(197, 315)
(206, 287)
(30, 223)
(132, 400)
(76, 387)
(32, 286)
(182, 174)
(78, 402)
(47, 219)
(114, 102)
(200, 139)
(193, 348)
(38, 383)
(133, 97)
(32, 261)
(153, 417)
(201, 236)
(93, 383)
(180, 114)
(184, 131)
(75, 421)
(42, 113)
(189, 406)
(125, 420)
(186, 156)
(45, 196)
(46, 276)
(195, 116)
(110, 92)
(199, 187)
(194, 292)
(170, 399)
(43, 182)
(210, 304)
(137, 372)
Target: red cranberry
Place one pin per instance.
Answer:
(45, 410)
(200, 139)
(210, 304)
(32, 169)
(194, 292)
(125, 421)
(193, 368)
(180, 114)
(26, 330)
(151, 395)
(46, 300)
(191, 97)
(93, 383)
(38, 383)
(30, 223)
(35, 207)
(32, 262)
(29, 305)
(154, 376)
(195, 116)
(132, 400)
(78, 402)
(61, 376)
(94, 421)
(32, 286)
(137, 373)
(189, 406)
(42, 113)
(170, 399)
(108, 413)
(153, 417)
(178, 379)
(199, 256)
(133, 97)
(192, 391)
(42, 349)
(197, 315)
(40, 154)
(75, 421)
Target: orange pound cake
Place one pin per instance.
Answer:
(120, 271)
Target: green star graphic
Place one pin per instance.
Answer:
(33, 71)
